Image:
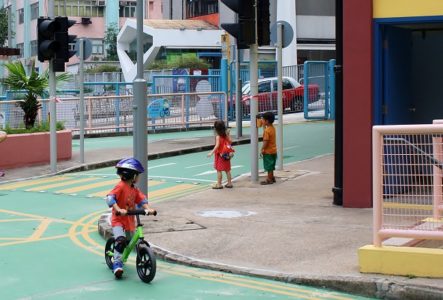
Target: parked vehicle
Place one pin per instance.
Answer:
(292, 95)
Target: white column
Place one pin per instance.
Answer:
(286, 12)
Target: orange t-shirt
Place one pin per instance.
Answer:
(269, 135)
(127, 197)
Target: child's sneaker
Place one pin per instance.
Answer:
(117, 269)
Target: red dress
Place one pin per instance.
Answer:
(221, 164)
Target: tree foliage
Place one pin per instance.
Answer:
(33, 85)
(110, 41)
(3, 26)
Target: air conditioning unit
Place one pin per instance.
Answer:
(101, 3)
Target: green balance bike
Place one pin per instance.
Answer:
(145, 262)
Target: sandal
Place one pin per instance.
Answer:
(266, 182)
(217, 187)
(229, 186)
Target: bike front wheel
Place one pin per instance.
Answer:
(109, 252)
(146, 263)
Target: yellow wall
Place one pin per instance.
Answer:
(407, 8)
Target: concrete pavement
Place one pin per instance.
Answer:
(288, 231)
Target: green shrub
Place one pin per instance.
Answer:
(43, 127)
(103, 69)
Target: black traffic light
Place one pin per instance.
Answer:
(263, 22)
(244, 29)
(46, 43)
(64, 39)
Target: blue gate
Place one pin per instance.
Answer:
(319, 90)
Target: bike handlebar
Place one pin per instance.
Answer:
(135, 212)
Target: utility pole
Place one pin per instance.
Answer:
(139, 105)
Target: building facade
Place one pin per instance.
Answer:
(93, 18)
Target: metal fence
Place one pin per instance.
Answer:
(407, 182)
(107, 114)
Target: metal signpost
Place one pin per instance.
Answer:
(281, 35)
(83, 49)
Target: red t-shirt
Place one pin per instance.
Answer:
(127, 197)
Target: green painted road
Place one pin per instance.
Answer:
(50, 248)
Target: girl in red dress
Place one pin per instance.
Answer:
(221, 164)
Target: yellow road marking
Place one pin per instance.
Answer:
(88, 187)
(40, 230)
(287, 290)
(170, 190)
(176, 194)
(151, 183)
(20, 220)
(55, 237)
(66, 182)
(21, 184)
(16, 213)
(407, 206)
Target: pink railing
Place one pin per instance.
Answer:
(407, 182)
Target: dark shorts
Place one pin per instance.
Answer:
(269, 161)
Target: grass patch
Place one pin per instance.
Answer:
(43, 127)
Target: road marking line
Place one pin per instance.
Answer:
(163, 165)
(196, 166)
(200, 274)
(40, 230)
(54, 185)
(21, 184)
(182, 178)
(19, 220)
(170, 190)
(89, 186)
(102, 194)
(177, 194)
(215, 171)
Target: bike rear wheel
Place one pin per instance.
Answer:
(109, 252)
(145, 263)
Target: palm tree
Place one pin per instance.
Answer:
(34, 85)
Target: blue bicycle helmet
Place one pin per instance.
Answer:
(128, 168)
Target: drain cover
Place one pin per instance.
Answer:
(226, 214)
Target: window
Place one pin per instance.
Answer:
(287, 84)
(21, 47)
(21, 16)
(196, 8)
(128, 11)
(34, 48)
(97, 47)
(78, 8)
(34, 11)
(264, 87)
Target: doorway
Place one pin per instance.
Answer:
(408, 71)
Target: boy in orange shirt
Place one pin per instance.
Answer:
(269, 147)
(123, 197)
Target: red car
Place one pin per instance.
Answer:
(293, 93)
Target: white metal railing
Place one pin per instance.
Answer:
(114, 113)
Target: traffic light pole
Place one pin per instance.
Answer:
(139, 104)
(253, 69)
(52, 106)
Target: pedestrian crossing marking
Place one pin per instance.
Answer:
(101, 194)
(178, 193)
(170, 190)
(11, 186)
(88, 186)
(65, 182)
